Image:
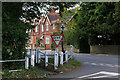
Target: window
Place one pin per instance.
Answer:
(47, 26)
(36, 29)
(53, 26)
(47, 40)
(42, 28)
(30, 30)
(31, 40)
(27, 31)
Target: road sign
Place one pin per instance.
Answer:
(57, 39)
(62, 27)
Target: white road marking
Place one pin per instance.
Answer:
(105, 74)
(102, 64)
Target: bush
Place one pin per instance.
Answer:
(53, 46)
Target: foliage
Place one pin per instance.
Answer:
(14, 32)
(53, 46)
(97, 19)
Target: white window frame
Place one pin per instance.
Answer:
(36, 29)
(53, 26)
(47, 26)
(47, 40)
(30, 30)
(42, 28)
(31, 40)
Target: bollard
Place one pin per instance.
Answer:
(61, 58)
(26, 62)
(39, 56)
(36, 56)
(66, 56)
(46, 60)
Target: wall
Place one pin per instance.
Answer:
(67, 47)
(105, 49)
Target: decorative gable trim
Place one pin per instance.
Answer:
(46, 17)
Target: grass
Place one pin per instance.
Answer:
(36, 72)
(69, 66)
(33, 72)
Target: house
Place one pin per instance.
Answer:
(43, 30)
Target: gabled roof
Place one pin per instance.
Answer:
(52, 17)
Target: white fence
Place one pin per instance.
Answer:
(26, 62)
(37, 56)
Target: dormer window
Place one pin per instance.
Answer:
(36, 29)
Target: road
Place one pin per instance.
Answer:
(94, 67)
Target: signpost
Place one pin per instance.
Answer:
(62, 28)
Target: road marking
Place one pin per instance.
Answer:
(105, 74)
(101, 64)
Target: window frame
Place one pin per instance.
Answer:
(47, 26)
(47, 40)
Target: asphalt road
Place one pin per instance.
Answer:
(94, 67)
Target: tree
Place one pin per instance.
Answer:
(97, 23)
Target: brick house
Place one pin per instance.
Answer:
(47, 27)
(43, 30)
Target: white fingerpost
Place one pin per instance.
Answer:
(26, 62)
(46, 60)
(66, 56)
(39, 56)
(36, 55)
(32, 60)
(61, 58)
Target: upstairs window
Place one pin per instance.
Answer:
(42, 28)
(47, 40)
(36, 29)
(53, 26)
(47, 26)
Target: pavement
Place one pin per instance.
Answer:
(97, 67)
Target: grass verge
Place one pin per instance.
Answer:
(33, 72)
(36, 72)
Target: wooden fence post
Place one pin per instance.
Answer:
(39, 56)
(46, 60)
(32, 59)
(55, 60)
(36, 56)
(61, 58)
(71, 50)
(26, 62)
(66, 56)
